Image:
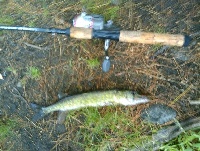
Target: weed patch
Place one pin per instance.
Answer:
(105, 129)
(6, 128)
(6, 20)
(93, 63)
(188, 141)
(101, 7)
(11, 69)
(33, 73)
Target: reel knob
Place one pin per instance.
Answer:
(106, 64)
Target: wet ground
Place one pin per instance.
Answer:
(169, 75)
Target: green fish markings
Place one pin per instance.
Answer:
(92, 99)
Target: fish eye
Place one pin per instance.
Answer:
(134, 93)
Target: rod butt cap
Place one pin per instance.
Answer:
(187, 41)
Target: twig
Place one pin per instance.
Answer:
(33, 46)
(182, 94)
(159, 52)
(19, 95)
(34, 124)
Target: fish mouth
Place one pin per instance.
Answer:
(135, 94)
(139, 98)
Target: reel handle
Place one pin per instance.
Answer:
(106, 64)
(106, 61)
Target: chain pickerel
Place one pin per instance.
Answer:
(93, 99)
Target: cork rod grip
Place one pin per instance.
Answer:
(151, 38)
(81, 33)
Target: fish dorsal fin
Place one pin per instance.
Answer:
(62, 95)
(62, 114)
(61, 117)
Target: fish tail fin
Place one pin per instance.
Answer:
(39, 112)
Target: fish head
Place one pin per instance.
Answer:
(132, 98)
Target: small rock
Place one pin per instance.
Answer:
(158, 114)
(19, 84)
(183, 56)
(60, 128)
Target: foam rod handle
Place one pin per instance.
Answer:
(153, 38)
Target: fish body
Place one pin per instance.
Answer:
(93, 99)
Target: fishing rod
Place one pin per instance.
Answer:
(121, 35)
(92, 26)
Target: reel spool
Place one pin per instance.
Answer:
(95, 22)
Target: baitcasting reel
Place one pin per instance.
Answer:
(97, 23)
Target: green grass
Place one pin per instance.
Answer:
(111, 128)
(33, 73)
(188, 141)
(158, 29)
(101, 7)
(156, 47)
(106, 129)
(32, 23)
(6, 20)
(6, 128)
(11, 69)
(93, 63)
(1, 32)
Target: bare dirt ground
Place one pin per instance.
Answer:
(170, 76)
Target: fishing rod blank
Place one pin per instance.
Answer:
(44, 30)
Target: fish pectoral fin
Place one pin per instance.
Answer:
(61, 117)
(62, 95)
